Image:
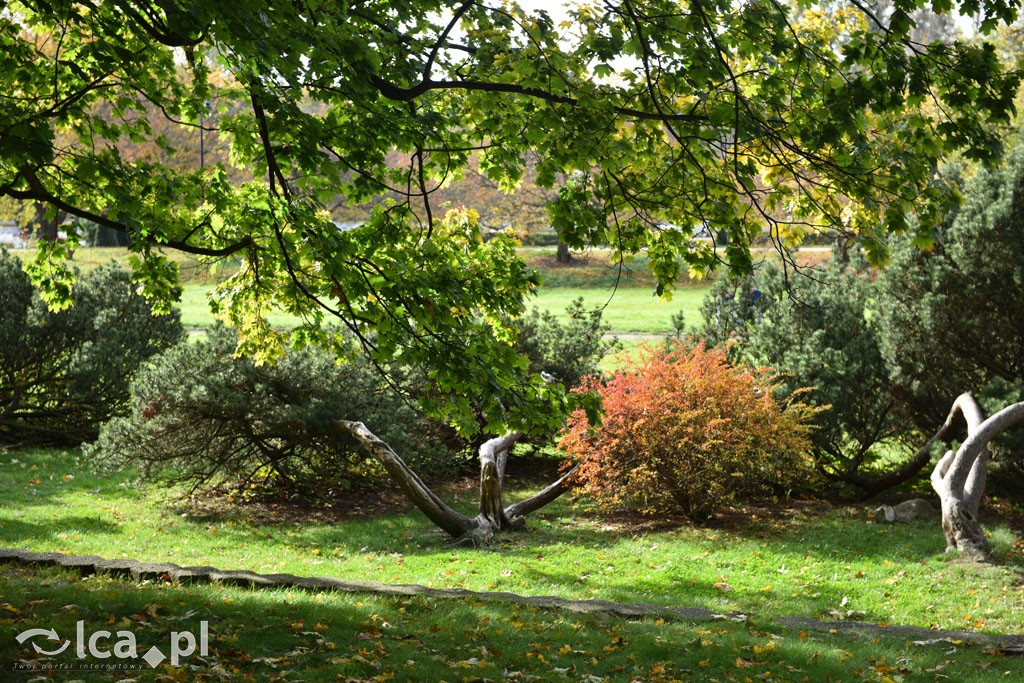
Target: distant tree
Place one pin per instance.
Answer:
(926, 25)
(96, 235)
(17, 211)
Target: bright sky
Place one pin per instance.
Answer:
(556, 8)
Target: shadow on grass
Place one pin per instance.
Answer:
(15, 531)
(317, 636)
(41, 477)
(793, 532)
(400, 527)
(799, 559)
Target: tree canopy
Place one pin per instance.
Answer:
(654, 117)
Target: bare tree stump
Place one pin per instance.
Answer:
(493, 456)
(493, 516)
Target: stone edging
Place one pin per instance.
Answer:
(139, 571)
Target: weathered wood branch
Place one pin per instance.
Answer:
(37, 192)
(493, 516)
(538, 500)
(959, 477)
(393, 91)
(493, 456)
(874, 485)
(498, 449)
(414, 488)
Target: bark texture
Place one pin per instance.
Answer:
(959, 477)
(415, 490)
(562, 255)
(493, 457)
(492, 516)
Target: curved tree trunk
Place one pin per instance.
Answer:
(874, 485)
(959, 478)
(493, 516)
(414, 488)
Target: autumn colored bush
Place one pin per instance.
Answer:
(685, 430)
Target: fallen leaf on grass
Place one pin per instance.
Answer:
(470, 663)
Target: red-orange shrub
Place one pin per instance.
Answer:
(684, 429)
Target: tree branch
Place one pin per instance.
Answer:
(444, 36)
(400, 94)
(37, 192)
(414, 488)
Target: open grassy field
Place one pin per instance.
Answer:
(195, 309)
(631, 307)
(626, 310)
(595, 268)
(812, 560)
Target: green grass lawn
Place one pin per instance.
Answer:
(297, 635)
(633, 308)
(630, 349)
(626, 310)
(814, 561)
(195, 309)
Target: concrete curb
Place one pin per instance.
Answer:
(139, 571)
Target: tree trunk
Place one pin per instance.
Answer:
(493, 516)
(45, 228)
(959, 478)
(563, 255)
(493, 457)
(414, 488)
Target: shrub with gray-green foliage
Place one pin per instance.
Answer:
(732, 308)
(569, 352)
(64, 374)
(891, 354)
(201, 416)
(953, 317)
(817, 331)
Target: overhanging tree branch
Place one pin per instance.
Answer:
(400, 94)
(37, 192)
